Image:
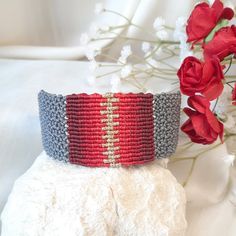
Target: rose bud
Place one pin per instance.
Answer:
(223, 43)
(204, 18)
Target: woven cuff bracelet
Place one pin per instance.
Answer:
(109, 130)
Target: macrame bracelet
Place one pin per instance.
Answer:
(109, 130)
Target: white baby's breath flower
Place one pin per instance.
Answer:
(122, 60)
(181, 22)
(91, 80)
(126, 51)
(84, 39)
(180, 32)
(91, 52)
(162, 34)
(95, 29)
(184, 47)
(146, 47)
(115, 83)
(93, 65)
(126, 71)
(99, 8)
(184, 51)
(159, 23)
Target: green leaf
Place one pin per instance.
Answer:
(220, 25)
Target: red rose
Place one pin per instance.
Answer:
(202, 126)
(201, 77)
(204, 18)
(234, 95)
(222, 44)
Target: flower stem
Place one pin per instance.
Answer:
(118, 14)
(215, 104)
(190, 172)
(109, 73)
(230, 63)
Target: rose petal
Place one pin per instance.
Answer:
(213, 90)
(201, 126)
(189, 112)
(199, 103)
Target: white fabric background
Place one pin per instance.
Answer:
(33, 29)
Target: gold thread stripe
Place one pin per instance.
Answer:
(109, 128)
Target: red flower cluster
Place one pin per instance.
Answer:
(205, 77)
(204, 18)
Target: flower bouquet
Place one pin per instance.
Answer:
(205, 44)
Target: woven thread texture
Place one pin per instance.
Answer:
(52, 114)
(111, 129)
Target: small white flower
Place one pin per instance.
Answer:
(159, 23)
(84, 39)
(229, 160)
(91, 80)
(181, 22)
(162, 34)
(179, 32)
(126, 51)
(126, 71)
(184, 52)
(122, 60)
(115, 83)
(99, 8)
(146, 47)
(91, 52)
(93, 65)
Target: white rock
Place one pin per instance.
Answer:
(56, 199)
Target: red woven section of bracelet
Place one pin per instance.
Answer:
(110, 130)
(85, 129)
(136, 127)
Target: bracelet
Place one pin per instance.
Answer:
(109, 130)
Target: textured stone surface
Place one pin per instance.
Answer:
(56, 199)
